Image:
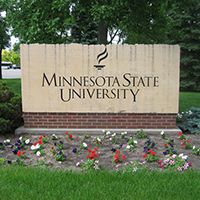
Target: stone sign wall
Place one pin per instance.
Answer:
(97, 86)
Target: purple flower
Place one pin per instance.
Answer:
(145, 149)
(15, 151)
(164, 153)
(74, 150)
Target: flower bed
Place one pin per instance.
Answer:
(111, 151)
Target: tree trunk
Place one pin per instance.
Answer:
(102, 33)
(0, 63)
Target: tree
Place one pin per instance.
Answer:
(11, 56)
(184, 29)
(37, 21)
(4, 38)
(61, 21)
(149, 24)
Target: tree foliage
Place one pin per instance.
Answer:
(39, 21)
(184, 29)
(11, 56)
(132, 21)
(61, 21)
(4, 37)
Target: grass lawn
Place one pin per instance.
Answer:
(36, 183)
(14, 85)
(187, 99)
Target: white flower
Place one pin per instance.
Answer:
(167, 160)
(110, 139)
(135, 142)
(179, 169)
(54, 136)
(171, 162)
(108, 132)
(27, 141)
(181, 155)
(185, 157)
(135, 169)
(174, 156)
(114, 134)
(162, 133)
(123, 133)
(96, 161)
(103, 131)
(7, 141)
(84, 145)
(128, 146)
(98, 139)
(193, 147)
(78, 164)
(38, 153)
(34, 147)
(20, 138)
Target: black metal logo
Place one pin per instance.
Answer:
(100, 57)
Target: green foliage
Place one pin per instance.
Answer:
(4, 37)
(189, 121)
(2, 161)
(88, 165)
(60, 156)
(39, 21)
(14, 85)
(10, 110)
(196, 151)
(141, 134)
(184, 29)
(145, 22)
(51, 22)
(11, 56)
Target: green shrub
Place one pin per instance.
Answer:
(189, 122)
(10, 110)
(5, 93)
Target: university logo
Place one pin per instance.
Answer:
(102, 56)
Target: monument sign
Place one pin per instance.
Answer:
(98, 86)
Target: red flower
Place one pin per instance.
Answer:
(70, 136)
(145, 155)
(153, 153)
(35, 143)
(123, 157)
(92, 154)
(20, 153)
(166, 145)
(180, 133)
(149, 151)
(66, 133)
(39, 142)
(116, 158)
(117, 151)
(40, 138)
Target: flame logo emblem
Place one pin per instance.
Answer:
(100, 57)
